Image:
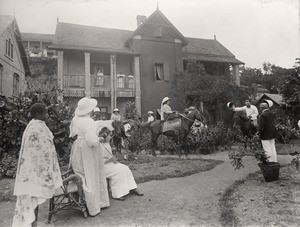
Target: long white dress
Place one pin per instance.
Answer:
(120, 176)
(38, 173)
(87, 161)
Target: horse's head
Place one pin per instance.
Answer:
(196, 115)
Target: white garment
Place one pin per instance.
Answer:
(120, 176)
(165, 109)
(269, 147)
(87, 161)
(251, 111)
(150, 119)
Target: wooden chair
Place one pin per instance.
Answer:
(68, 196)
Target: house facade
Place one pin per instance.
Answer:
(13, 60)
(114, 65)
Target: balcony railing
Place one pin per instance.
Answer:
(73, 81)
(100, 82)
(125, 82)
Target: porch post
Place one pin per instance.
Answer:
(87, 75)
(137, 84)
(113, 73)
(60, 74)
(236, 74)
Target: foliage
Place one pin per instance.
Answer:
(130, 111)
(255, 150)
(15, 115)
(167, 145)
(195, 86)
(139, 138)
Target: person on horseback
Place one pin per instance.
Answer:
(116, 115)
(251, 111)
(165, 110)
(150, 116)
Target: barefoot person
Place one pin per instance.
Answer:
(38, 173)
(86, 157)
(120, 177)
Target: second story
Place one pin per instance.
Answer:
(13, 59)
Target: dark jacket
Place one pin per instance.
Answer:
(266, 125)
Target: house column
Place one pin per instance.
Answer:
(137, 84)
(236, 74)
(87, 75)
(60, 74)
(113, 74)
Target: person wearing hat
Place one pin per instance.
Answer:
(86, 158)
(116, 115)
(150, 116)
(97, 114)
(251, 111)
(165, 109)
(266, 129)
(38, 174)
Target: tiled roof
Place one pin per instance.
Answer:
(5, 21)
(37, 37)
(208, 50)
(73, 36)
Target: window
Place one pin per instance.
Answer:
(157, 32)
(159, 71)
(9, 49)
(16, 84)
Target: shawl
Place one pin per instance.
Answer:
(38, 172)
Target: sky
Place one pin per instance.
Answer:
(255, 31)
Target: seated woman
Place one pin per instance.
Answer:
(120, 177)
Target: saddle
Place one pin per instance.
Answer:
(172, 125)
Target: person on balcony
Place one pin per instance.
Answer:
(119, 175)
(86, 158)
(116, 115)
(38, 173)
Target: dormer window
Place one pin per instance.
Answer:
(157, 31)
(9, 49)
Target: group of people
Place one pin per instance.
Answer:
(38, 173)
(265, 123)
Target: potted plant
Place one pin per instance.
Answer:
(270, 170)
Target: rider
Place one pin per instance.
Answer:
(251, 111)
(165, 110)
(150, 116)
(116, 115)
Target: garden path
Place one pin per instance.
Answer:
(187, 201)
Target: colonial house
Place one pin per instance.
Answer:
(13, 60)
(37, 45)
(114, 65)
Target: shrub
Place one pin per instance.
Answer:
(165, 144)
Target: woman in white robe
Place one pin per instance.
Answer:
(119, 175)
(86, 158)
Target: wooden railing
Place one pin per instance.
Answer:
(100, 81)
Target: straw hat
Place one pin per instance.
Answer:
(85, 106)
(229, 104)
(116, 110)
(165, 100)
(150, 112)
(269, 102)
(191, 108)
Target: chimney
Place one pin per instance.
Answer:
(140, 19)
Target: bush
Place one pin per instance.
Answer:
(14, 117)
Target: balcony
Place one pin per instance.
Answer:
(74, 85)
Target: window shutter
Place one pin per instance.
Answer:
(166, 72)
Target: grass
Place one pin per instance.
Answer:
(145, 168)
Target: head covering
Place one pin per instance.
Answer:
(229, 104)
(150, 112)
(116, 110)
(269, 102)
(192, 108)
(96, 109)
(85, 106)
(165, 99)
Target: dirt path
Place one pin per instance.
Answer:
(187, 201)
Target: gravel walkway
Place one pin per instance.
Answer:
(187, 201)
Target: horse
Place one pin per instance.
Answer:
(119, 133)
(247, 127)
(156, 129)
